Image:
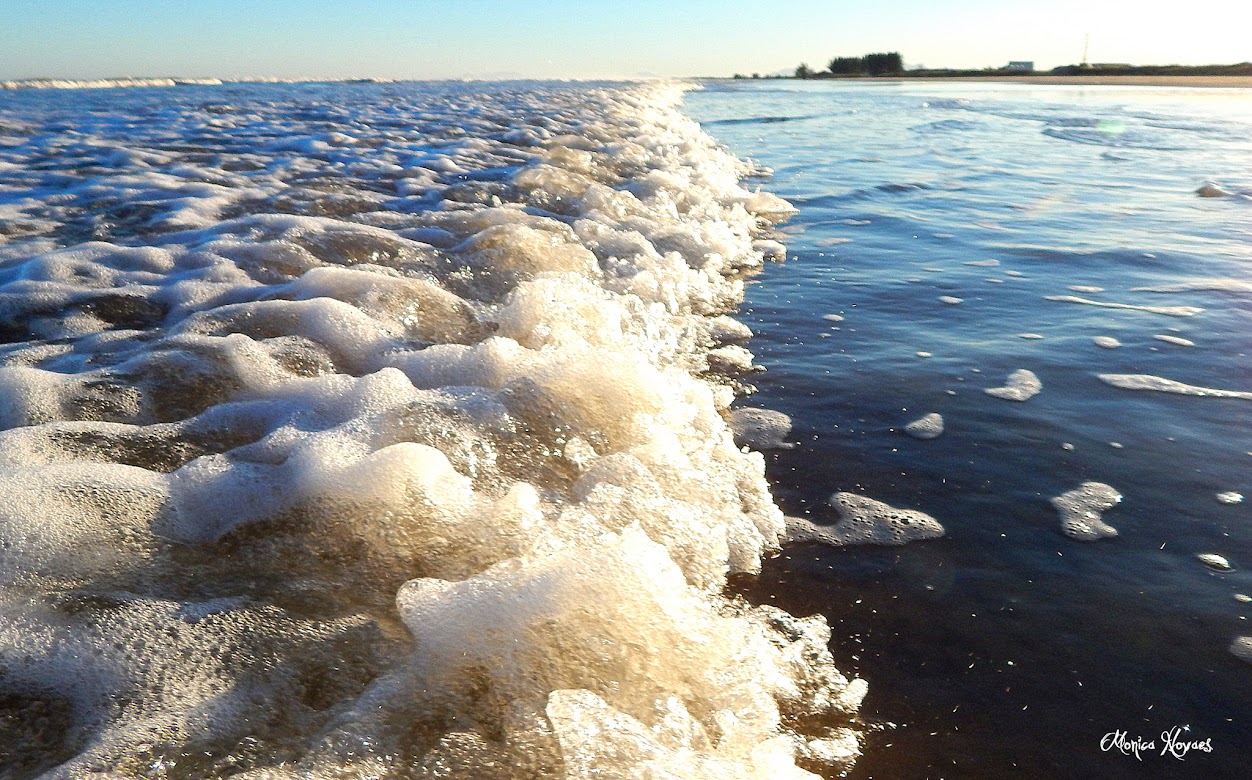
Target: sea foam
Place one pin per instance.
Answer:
(373, 434)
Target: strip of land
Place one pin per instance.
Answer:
(1244, 82)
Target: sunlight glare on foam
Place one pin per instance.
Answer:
(436, 460)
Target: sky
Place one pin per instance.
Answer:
(594, 38)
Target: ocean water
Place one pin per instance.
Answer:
(398, 430)
(380, 431)
(949, 235)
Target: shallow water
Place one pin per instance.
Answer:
(952, 227)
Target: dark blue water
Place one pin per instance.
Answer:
(1007, 649)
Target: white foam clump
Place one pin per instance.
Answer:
(1162, 385)
(1082, 508)
(951, 300)
(1230, 497)
(991, 263)
(862, 520)
(1086, 288)
(559, 637)
(454, 347)
(1214, 561)
(1031, 336)
(1179, 340)
(929, 426)
(1022, 385)
(1107, 342)
(1172, 311)
(1241, 648)
(761, 429)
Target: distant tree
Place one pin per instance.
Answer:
(847, 66)
(883, 63)
(803, 71)
(740, 76)
(756, 75)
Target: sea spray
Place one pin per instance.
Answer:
(373, 433)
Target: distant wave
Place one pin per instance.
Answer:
(762, 120)
(170, 82)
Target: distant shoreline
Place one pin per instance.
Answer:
(1239, 82)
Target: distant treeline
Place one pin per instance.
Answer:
(892, 64)
(1241, 69)
(878, 64)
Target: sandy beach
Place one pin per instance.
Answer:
(1240, 82)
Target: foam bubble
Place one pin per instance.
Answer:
(929, 426)
(1081, 511)
(862, 520)
(951, 300)
(1021, 385)
(1108, 342)
(1230, 497)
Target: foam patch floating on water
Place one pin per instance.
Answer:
(761, 429)
(1081, 511)
(1021, 385)
(951, 300)
(1230, 497)
(1162, 385)
(863, 520)
(1241, 648)
(1171, 311)
(1107, 342)
(929, 426)
(1214, 561)
(1179, 340)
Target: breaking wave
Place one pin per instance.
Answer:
(370, 431)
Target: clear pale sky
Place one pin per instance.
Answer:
(594, 38)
